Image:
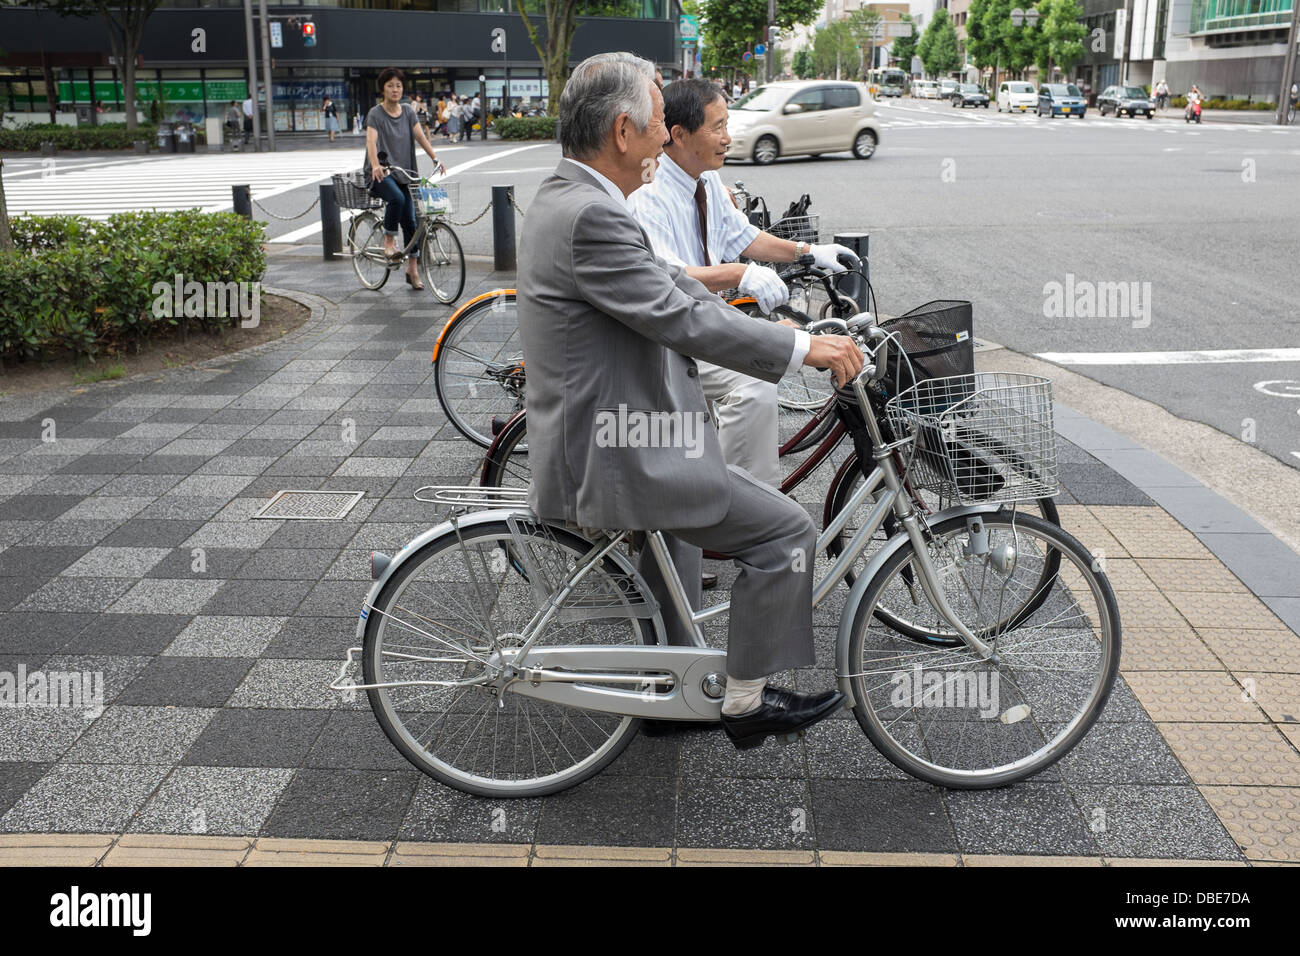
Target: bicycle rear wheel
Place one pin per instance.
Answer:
(948, 717)
(506, 465)
(439, 620)
(479, 369)
(369, 261)
(442, 263)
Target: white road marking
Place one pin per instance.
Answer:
(1194, 357)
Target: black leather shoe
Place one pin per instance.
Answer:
(666, 728)
(782, 712)
(708, 581)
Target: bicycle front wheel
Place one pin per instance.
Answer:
(369, 261)
(479, 370)
(506, 465)
(439, 621)
(442, 263)
(946, 716)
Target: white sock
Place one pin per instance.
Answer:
(743, 695)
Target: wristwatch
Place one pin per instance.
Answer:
(802, 248)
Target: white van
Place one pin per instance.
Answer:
(925, 90)
(1017, 95)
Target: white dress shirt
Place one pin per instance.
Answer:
(665, 208)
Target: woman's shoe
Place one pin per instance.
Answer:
(414, 283)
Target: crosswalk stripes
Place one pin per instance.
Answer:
(99, 189)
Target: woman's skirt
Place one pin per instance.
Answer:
(331, 124)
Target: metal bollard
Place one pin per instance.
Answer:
(503, 229)
(853, 286)
(331, 230)
(242, 200)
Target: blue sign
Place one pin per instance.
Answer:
(310, 90)
(747, 56)
(759, 49)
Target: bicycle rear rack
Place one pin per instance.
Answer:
(472, 496)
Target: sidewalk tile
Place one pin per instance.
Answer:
(1209, 609)
(891, 816)
(1180, 575)
(164, 596)
(1166, 649)
(1234, 754)
(215, 800)
(1192, 696)
(1278, 694)
(687, 856)
(343, 804)
(98, 798)
(225, 636)
(1265, 821)
(1254, 651)
(1029, 818)
(1157, 821)
(850, 858)
(612, 811)
(968, 859)
(39, 733)
(1147, 609)
(113, 562)
(553, 855)
(140, 735)
(1141, 862)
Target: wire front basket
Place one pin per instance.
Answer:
(985, 437)
(797, 228)
(435, 199)
(351, 192)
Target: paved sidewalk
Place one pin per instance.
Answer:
(218, 722)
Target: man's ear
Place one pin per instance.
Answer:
(677, 135)
(621, 131)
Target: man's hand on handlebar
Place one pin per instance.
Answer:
(833, 257)
(839, 353)
(765, 286)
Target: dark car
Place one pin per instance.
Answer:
(1061, 99)
(1132, 100)
(968, 94)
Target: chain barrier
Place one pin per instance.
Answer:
(287, 218)
(471, 221)
(518, 208)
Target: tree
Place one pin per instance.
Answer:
(554, 52)
(938, 46)
(1065, 31)
(863, 24)
(834, 45)
(803, 65)
(125, 20)
(732, 27)
(904, 48)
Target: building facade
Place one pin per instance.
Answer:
(194, 54)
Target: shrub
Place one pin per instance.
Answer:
(75, 138)
(84, 286)
(525, 127)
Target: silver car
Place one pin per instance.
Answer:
(802, 118)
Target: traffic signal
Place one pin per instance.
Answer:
(309, 34)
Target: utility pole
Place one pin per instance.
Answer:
(1288, 66)
(1128, 39)
(266, 73)
(252, 73)
(771, 29)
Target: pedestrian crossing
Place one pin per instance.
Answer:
(898, 118)
(99, 188)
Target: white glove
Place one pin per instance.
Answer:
(827, 256)
(765, 286)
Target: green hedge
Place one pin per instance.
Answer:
(525, 127)
(77, 138)
(1215, 103)
(85, 286)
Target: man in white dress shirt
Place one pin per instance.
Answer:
(687, 199)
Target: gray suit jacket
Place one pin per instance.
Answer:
(607, 328)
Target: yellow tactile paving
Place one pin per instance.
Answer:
(148, 849)
(1192, 696)
(1210, 609)
(1292, 733)
(981, 860)
(1147, 609)
(1189, 575)
(1144, 861)
(459, 854)
(1234, 754)
(1264, 821)
(1277, 694)
(850, 858)
(1165, 649)
(559, 855)
(1149, 532)
(718, 857)
(1125, 574)
(1083, 524)
(53, 849)
(1252, 651)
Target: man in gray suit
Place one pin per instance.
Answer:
(619, 433)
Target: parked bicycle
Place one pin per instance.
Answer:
(442, 262)
(507, 656)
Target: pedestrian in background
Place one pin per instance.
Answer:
(422, 112)
(331, 114)
(453, 119)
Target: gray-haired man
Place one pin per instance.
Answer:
(609, 330)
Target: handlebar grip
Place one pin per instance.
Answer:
(802, 318)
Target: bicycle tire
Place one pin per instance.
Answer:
(401, 710)
(478, 372)
(506, 464)
(838, 495)
(1042, 710)
(368, 257)
(810, 440)
(442, 262)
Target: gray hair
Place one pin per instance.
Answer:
(599, 89)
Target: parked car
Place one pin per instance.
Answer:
(947, 88)
(1016, 95)
(1061, 99)
(968, 94)
(1132, 100)
(925, 89)
(802, 118)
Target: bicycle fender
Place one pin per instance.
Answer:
(863, 581)
(437, 346)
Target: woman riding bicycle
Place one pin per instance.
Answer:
(393, 129)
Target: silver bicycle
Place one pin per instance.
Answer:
(508, 656)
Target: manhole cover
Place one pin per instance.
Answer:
(310, 505)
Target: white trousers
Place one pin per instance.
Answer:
(747, 420)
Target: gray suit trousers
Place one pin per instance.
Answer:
(773, 541)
